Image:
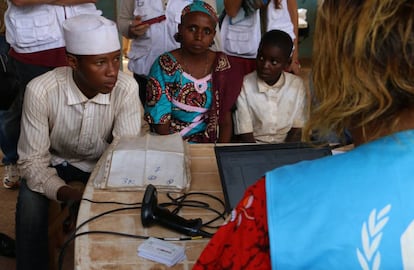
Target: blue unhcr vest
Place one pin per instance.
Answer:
(349, 211)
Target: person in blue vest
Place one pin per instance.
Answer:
(349, 211)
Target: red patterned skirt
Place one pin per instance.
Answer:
(242, 242)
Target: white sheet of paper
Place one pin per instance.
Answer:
(127, 168)
(164, 168)
(139, 161)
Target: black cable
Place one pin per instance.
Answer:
(109, 202)
(74, 234)
(103, 214)
(220, 215)
(67, 242)
(179, 203)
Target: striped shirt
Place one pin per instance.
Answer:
(59, 124)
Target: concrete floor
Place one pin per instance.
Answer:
(7, 221)
(7, 211)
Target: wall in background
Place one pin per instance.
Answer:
(109, 8)
(220, 6)
(306, 45)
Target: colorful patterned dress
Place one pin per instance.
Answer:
(191, 105)
(243, 242)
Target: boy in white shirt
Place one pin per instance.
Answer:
(70, 116)
(271, 107)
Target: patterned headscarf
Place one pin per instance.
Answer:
(200, 6)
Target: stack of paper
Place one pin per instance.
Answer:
(161, 251)
(133, 162)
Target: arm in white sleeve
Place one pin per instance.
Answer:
(243, 122)
(34, 144)
(302, 106)
(129, 111)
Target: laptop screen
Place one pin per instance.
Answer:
(241, 165)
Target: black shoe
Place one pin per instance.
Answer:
(7, 246)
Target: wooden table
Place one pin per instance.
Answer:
(104, 251)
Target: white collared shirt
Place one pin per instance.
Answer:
(269, 112)
(61, 124)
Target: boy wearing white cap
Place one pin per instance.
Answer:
(70, 115)
(34, 32)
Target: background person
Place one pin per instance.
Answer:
(271, 107)
(241, 29)
(70, 116)
(7, 95)
(247, 20)
(180, 93)
(151, 26)
(348, 211)
(34, 32)
(7, 244)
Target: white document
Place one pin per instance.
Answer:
(164, 168)
(125, 170)
(135, 162)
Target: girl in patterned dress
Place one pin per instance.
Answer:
(180, 93)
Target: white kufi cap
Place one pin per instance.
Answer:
(88, 34)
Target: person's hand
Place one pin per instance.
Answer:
(68, 193)
(137, 28)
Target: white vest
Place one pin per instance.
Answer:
(240, 36)
(160, 36)
(37, 28)
(280, 18)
